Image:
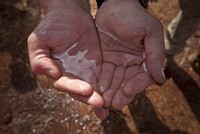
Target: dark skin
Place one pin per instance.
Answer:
(58, 31)
(133, 51)
(128, 52)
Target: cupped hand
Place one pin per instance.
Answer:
(133, 51)
(65, 47)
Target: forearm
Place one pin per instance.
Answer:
(144, 3)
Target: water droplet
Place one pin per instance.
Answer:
(108, 121)
(81, 123)
(34, 130)
(72, 100)
(66, 119)
(84, 127)
(62, 121)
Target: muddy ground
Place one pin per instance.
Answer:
(29, 106)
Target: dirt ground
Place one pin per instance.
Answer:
(28, 105)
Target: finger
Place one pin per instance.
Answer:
(73, 85)
(155, 53)
(40, 60)
(101, 113)
(137, 84)
(118, 77)
(130, 88)
(106, 76)
(116, 82)
(131, 72)
(95, 100)
(120, 99)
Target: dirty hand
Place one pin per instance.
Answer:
(65, 47)
(133, 51)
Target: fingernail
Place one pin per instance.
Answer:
(50, 73)
(102, 113)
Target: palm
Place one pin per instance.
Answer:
(58, 33)
(123, 33)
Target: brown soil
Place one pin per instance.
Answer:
(28, 105)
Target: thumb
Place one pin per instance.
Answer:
(39, 55)
(155, 53)
(101, 113)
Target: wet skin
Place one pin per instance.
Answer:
(129, 60)
(57, 32)
(77, 64)
(133, 51)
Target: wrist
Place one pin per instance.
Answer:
(119, 1)
(54, 5)
(144, 3)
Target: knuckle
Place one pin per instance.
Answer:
(127, 93)
(36, 67)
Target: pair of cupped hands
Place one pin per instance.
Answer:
(124, 40)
